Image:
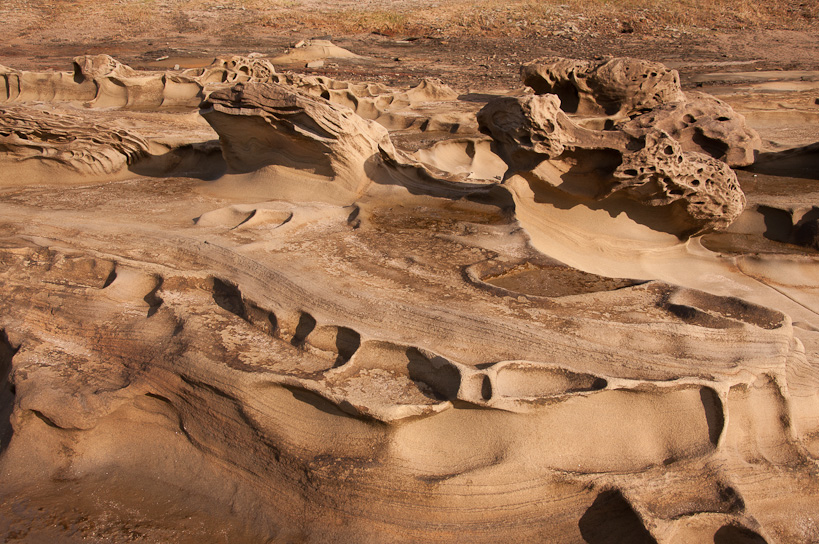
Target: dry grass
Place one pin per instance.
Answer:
(530, 16)
(430, 17)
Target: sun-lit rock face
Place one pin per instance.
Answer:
(541, 143)
(263, 125)
(703, 124)
(264, 320)
(645, 96)
(66, 140)
(615, 86)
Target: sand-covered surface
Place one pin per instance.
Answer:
(389, 280)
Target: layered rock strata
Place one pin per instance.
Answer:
(389, 352)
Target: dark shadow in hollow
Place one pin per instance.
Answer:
(347, 343)
(568, 95)
(802, 162)
(306, 325)
(153, 299)
(778, 223)
(713, 413)
(715, 148)
(731, 534)
(611, 520)
(228, 297)
(201, 160)
(7, 391)
(440, 375)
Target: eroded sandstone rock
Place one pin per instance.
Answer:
(268, 124)
(701, 123)
(80, 145)
(661, 173)
(610, 87)
(649, 94)
(540, 142)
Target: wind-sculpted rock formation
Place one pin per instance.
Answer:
(264, 125)
(32, 138)
(100, 81)
(418, 108)
(611, 87)
(703, 124)
(543, 145)
(303, 333)
(649, 94)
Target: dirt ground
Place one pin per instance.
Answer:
(470, 47)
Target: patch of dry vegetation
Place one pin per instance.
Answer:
(421, 17)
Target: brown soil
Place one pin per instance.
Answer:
(471, 47)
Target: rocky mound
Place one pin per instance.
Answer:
(649, 94)
(274, 125)
(543, 145)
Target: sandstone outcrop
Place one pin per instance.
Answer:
(100, 81)
(263, 125)
(541, 143)
(612, 87)
(649, 94)
(60, 139)
(498, 338)
(703, 124)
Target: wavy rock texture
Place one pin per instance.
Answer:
(71, 141)
(316, 337)
(100, 81)
(274, 125)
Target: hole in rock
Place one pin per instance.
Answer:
(778, 223)
(347, 343)
(598, 384)
(713, 147)
(110, 279)
(807, 234)
(6, 391)
(228, 297)
(612, 520)
(437, 373)
(306, 325)
(154, 301)
(713, 413)
(486, 388)
(731, 534)
(568, 95)
(78, 75)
